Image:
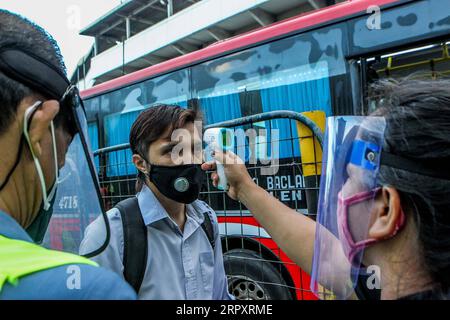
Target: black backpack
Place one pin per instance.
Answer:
(135, 249)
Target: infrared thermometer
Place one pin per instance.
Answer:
(218, 139)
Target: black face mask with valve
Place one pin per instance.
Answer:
(178, 183)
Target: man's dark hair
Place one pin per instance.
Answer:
(21, 33)
(152, 123)
(417, 114)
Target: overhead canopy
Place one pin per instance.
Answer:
(141, 13)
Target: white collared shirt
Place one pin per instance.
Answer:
(180, 265)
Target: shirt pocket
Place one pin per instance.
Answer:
(207, 271)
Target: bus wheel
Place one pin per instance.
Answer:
(252, 278)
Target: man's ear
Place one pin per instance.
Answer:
(40, 124)
(140, 163)
(387, 216)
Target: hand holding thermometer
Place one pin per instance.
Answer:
(218, 139)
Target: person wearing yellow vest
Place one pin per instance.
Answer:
(45, 159)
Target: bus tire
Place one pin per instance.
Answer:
(250, 277)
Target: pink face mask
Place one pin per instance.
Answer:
(350, 247)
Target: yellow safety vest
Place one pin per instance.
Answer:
(20, 258)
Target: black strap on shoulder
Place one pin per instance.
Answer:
(207, 226)
(135, 242)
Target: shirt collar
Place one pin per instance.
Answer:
(153, 211)
(9, 228)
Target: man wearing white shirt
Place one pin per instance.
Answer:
(184, 255)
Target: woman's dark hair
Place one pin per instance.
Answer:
(417, 114)
(151, 124)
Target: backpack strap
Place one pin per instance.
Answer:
(207, 226)
(135, 245)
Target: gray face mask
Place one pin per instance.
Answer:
(39, 226)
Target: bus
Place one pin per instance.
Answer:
(323, 61)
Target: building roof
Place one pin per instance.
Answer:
(142, 13)
(138, 34)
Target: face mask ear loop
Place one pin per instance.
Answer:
(52, 192)
(147, 165)
(28, 112)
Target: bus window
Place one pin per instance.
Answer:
(431, 61)
(94, 141)
(121, 108)
(117, 127)
(302, 73)
(297, 73)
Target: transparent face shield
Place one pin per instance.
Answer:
(77, 202)
(348, 189)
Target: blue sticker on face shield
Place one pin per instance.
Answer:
(365, 155)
